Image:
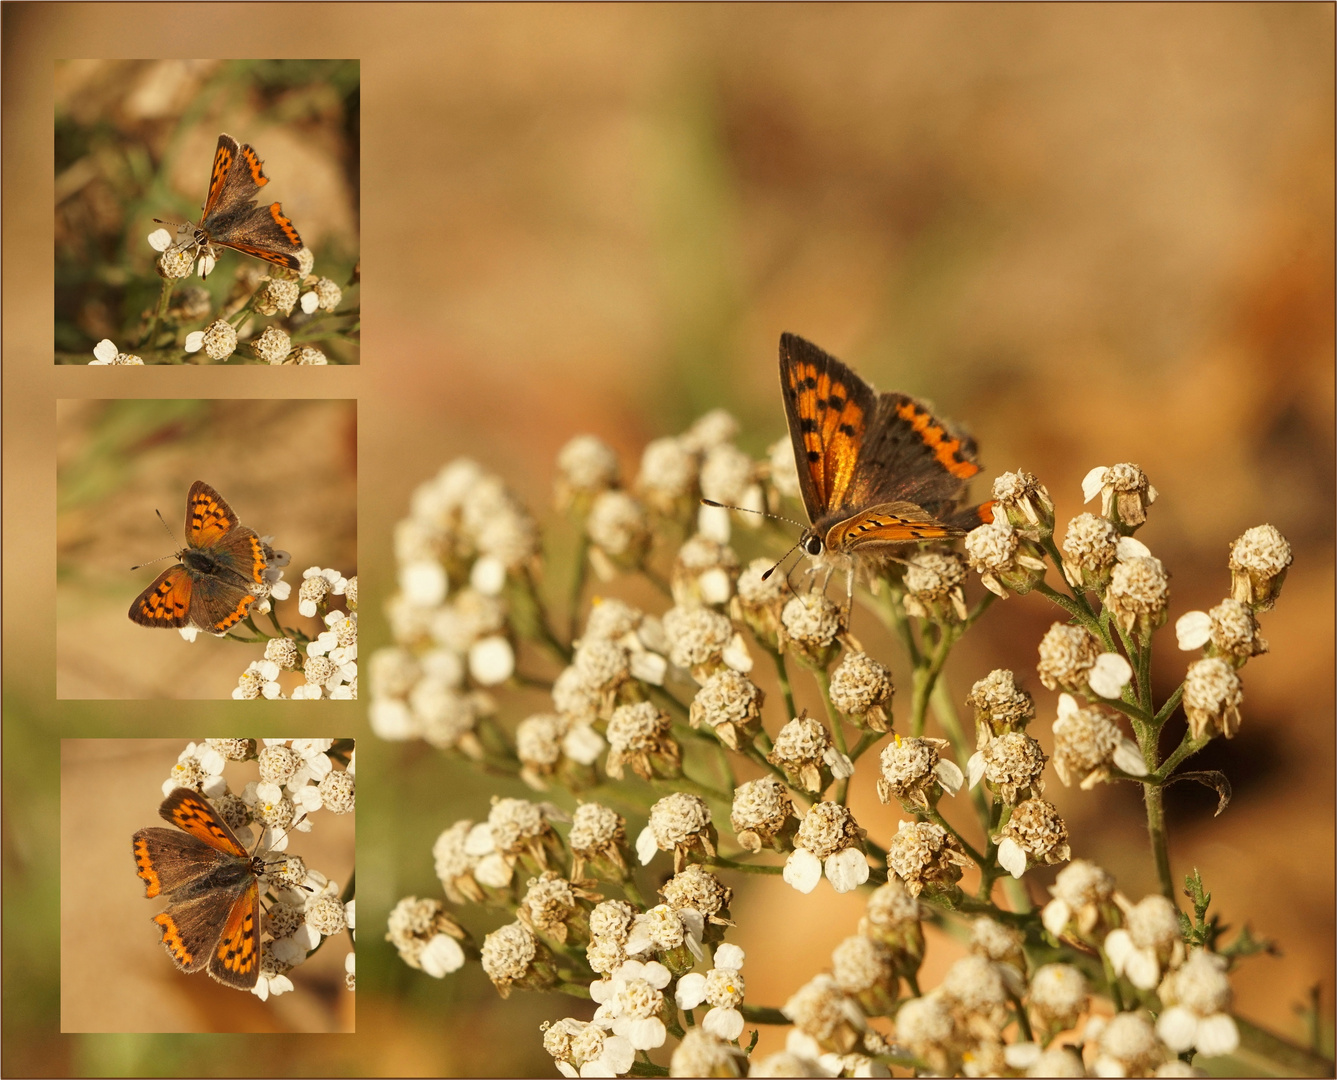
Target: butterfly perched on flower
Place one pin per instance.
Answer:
(230, 217)
(213, 586)
(212, 918)
(876, 471)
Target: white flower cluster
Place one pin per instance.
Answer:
(298, 778)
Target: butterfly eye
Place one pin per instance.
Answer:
(813, 545)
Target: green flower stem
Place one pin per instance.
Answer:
(1171, 704)
(1130, 709)
(546, 635)
(1188, 746)
(1153, 797)
(926, 677)
(577, 589)
(782, 675)
(632, 892)
(969, 849)
(686, 783)
(894, 619)
(745, 868)
(160, 312)
(867, 739)
(755, 754)
(571, 988)
(823, 678)
(763, 1014)
(1277, 1055)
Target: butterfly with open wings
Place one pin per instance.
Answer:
(876, 471)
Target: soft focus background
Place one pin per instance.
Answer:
(110, 789)
(1092, 233)
(288, 469)
(135, 140)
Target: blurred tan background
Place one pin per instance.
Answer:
(110, 789)
(1093, 233)
(288, 469)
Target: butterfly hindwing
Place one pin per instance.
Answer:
(217, 605)
(236, 956)
(166, 602)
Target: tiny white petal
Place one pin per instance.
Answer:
(424, 582)
(803, 870)
(160, 239)
(583, 744)
(195, 341)
(949, 776)
(1129, 758)
(715, 585)
(975, 767)
(1130, 547)
(649, 668)
(1217, 1035)
(1177, 1026)
(1193, 630)
(441, 956)
(690, 991)
(1109, 675)
(736, 655)
(488, 575)
(1092, 482)
(646, 846)
(726, 1023)
(730, 957)
(847, 870)
(310, 301)
(1067, 705)
(491, 660)
(106, 351)
(1012, 857)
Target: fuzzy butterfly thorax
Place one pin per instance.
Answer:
(876, 471)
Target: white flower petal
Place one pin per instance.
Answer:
(1092, 482)
(1012, 857)
(1193, 630)
(441, 956)
(1109, 675)
(847, 870)
(803, 870)
(690, 991)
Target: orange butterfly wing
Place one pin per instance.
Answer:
(224, 157)
(192, 813)
(166, 602)
(236, 958)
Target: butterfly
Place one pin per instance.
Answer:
(211, 588)
(230, 217)
(876, 471)
(212, 919)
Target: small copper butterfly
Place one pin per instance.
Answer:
(212, 587)
(212, 885)
(230, 217)
(875, 470)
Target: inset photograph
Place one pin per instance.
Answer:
(206, 549)
(207, 212)
(244, 851)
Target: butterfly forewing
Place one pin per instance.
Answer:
(208, 516)
(224, 157)
(829, 409)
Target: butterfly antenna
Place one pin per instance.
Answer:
(748, 510)
(160, 557)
